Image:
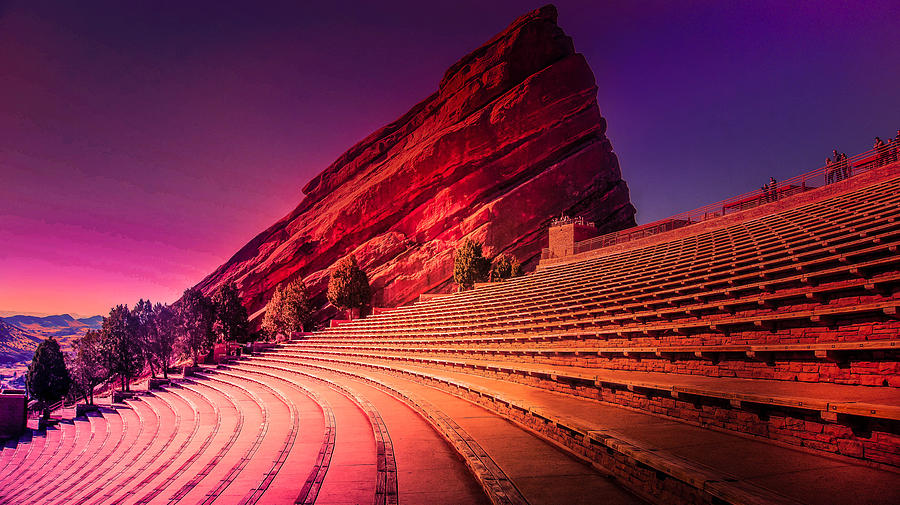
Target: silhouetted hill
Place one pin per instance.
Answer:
(16, 344)
(93, 321)
(58, 326)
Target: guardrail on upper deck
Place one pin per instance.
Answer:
(813, 179)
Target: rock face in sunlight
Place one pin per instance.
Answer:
(512, 138)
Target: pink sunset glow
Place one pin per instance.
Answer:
(142, 145)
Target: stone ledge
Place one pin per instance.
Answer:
(121, 396)
(188, 370)
(83, 408)
(156, 383)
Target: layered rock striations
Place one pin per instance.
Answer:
(512, 138)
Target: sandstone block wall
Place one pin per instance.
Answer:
(13, 414)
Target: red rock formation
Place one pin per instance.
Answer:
(512, 138)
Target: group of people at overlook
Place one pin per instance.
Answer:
(887, 152)
(837, 168)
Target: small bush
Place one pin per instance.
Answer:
(505, 267)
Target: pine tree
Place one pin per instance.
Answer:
(231, 315)
(88, 365)
(196, 316)
(48, 378)
(469, 266)
(142, 312)
(121, 345)
(348, 287)
(163, 339)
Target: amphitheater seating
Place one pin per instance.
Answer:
(749, 359)
(781, 327)
(256, 433)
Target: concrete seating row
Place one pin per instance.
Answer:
(441, 307)
(409, 432)
(823, 398)
(767, 361)
(237, 435)
(728, 294)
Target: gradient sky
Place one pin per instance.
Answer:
(143, 142)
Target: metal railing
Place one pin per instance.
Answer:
(35, 414)
(580, 220)
(829, 174)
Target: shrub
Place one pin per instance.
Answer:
(505, 267)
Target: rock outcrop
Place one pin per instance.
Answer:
(512, 138)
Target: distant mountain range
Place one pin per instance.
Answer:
(20, 335)
(15, 344)
(58, 326)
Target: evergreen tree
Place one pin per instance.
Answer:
(289, 309)
(469, 266)
(163, 337)
(121, 345)
(196, 317)
(142, 312)
(348, 287)
(231, 315)
(48, 378)
(88, 365)
(505, 267)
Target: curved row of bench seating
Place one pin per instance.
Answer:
(252, 433)
(595, 292)
(754, 361)
(781, 329)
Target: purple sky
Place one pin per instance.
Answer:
(142, 143)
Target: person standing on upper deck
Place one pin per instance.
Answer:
(881, 150)
(844, 165)
(838, 171)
